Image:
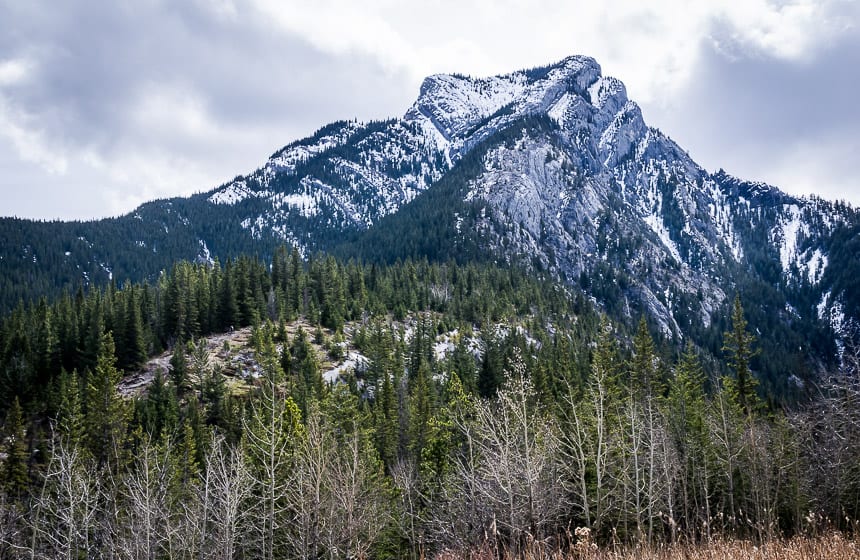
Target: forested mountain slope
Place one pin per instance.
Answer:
(552, 169)
(484, 409)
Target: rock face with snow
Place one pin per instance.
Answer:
(562, 174)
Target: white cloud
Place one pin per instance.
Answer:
(652, 46)
(29, 141)
(13, 71)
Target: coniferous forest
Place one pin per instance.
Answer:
(493, 411)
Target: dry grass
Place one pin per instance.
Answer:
(830, 547)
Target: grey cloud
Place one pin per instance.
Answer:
(92, 61)
(754, 115)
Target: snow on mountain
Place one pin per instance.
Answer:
(593, 193)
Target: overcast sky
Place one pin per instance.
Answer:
(104, 105)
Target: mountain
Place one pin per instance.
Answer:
(552, 168)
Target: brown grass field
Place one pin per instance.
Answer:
(833, 546)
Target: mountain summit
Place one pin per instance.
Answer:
(552, 168)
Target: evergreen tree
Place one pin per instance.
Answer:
(687, 409)
(273, 430)
(134, 345)
(160, 409)
(214, 397)
(491, 374)
(644, 371)
(16, 466)
(105, 416)
(70, 420)
(421, 409)
(186, 466)
(179, 373)
(738, 344)
(386, 421)
(228, 307)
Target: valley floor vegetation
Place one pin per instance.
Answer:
(542, 426)
(832, 546)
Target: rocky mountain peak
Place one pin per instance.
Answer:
(457, 106)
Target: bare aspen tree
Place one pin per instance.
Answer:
(337, 500)
(517, 474)
(14, 541)
(405, 478)
(307, 494)
(227, 485)
(359, 508)
(65, 513)
(829, 435)
(651, 462)
(589, 438)
(666, 461)
(146, 527)
(725, 427)
(457, 516)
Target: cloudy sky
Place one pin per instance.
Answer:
(104, 105)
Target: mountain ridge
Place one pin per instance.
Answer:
(570, 181)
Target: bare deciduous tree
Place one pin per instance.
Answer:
(227, 488)
(65, 513)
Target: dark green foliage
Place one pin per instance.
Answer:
(739, 347)
(15, 471)
(158, 413)
(105, 413)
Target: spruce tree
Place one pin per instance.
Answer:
(15, 468)
(386, 420)
(105, 419)
(70, 421)
(179, 370)
(134, 341)
(738, 344)
(644, 377)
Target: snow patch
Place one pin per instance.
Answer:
(830, 310)
(594, 93)
(204, 255)
(558, 111)
(304, 203)
(354, 361)
(815, 266)
(791, 229)
(444, 345)
(656, 224)
(231, 194)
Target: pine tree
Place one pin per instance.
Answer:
(186, 465)
(179, 370)
(738, 344)
(491, 374)
(134, 341)
(105, 419)
(421, 409)
(70, 420)
(644, 375)
(160, 408)
(228, 307)
(214, 397)
(686, 409)
(15, 468)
